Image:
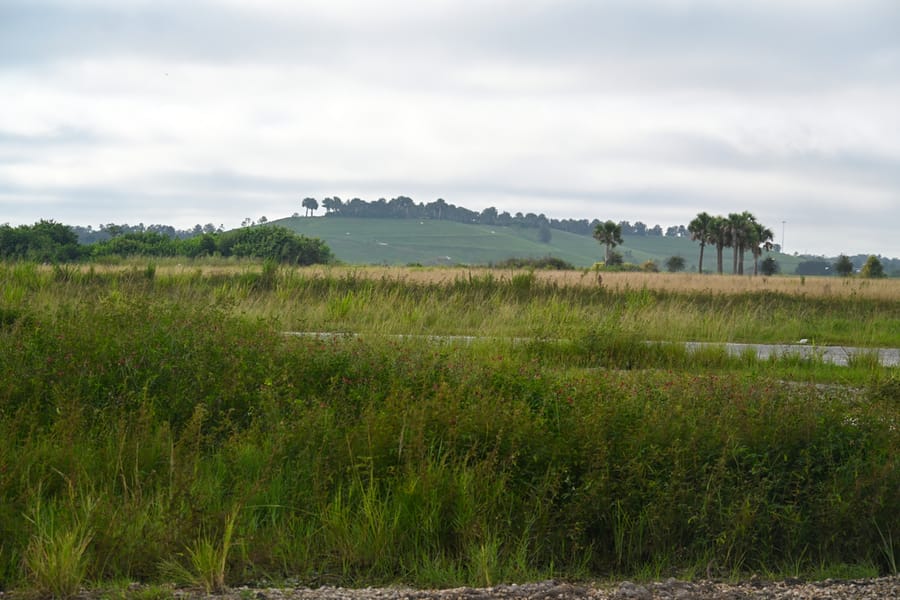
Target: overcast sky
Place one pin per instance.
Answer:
(200, 111)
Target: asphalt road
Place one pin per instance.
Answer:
(837, 355)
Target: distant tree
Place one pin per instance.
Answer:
(674, 264)
(488, 216)
(718, 237)
(401, 206)
(263, 220)
(650, 266)
(701, 231)
(813, 267)
(113, 230)
(760, 240)
(615, 259)
(769, 266)
(610, 235)
(310, 204)
(436, 209)
(207, 245)
(144, 243)
(740, 237)
(873, 269)
(843, 266)
(45, 241)
(544, 233)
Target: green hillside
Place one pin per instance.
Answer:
(435, 242)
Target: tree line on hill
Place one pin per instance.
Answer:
(48, 241)
(403, 207)
(51, 242)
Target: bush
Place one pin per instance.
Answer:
(675, 264)
(769, 266)
(649, 266)
(873, 268)
(546, 263)
(274, 243)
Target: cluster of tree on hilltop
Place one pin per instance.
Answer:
(48, 241)
(403, 207)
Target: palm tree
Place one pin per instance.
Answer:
(609, 234)
(740, 232)
(700, 229)
(310, 204)
(762, 238)
(718, 237)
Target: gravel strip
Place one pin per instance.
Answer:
(883, 588)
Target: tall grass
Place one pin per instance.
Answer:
(166, 420)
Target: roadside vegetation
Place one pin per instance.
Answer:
(159, 424)
(51, 242)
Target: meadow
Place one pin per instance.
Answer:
(157, 424)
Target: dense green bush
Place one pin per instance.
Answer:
(274, 243)
(51, 242)
(45, 241)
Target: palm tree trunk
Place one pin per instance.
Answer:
(700, 266)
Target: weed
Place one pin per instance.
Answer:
(887, 549)
(56, 558)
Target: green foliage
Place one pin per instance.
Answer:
(873, 269)
(274, 243)
(56, 558)
(377, 458)
(545, 263)
(146, 243)
(608, 234)
(769, 266)
(614, 259)
(674, 264)
(650, 267)
(843, 266)
(45, 241)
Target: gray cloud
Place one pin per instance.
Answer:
(628, 109)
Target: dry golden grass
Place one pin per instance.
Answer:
(884, 289)
(887, 289)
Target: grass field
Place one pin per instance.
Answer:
(157, 425)
(427, 242)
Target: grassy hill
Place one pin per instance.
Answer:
(432, 242)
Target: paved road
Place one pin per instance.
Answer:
(837, 355)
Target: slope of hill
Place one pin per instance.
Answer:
(435, 242)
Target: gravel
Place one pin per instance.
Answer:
(883, 588)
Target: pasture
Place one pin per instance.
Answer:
(156, 424)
